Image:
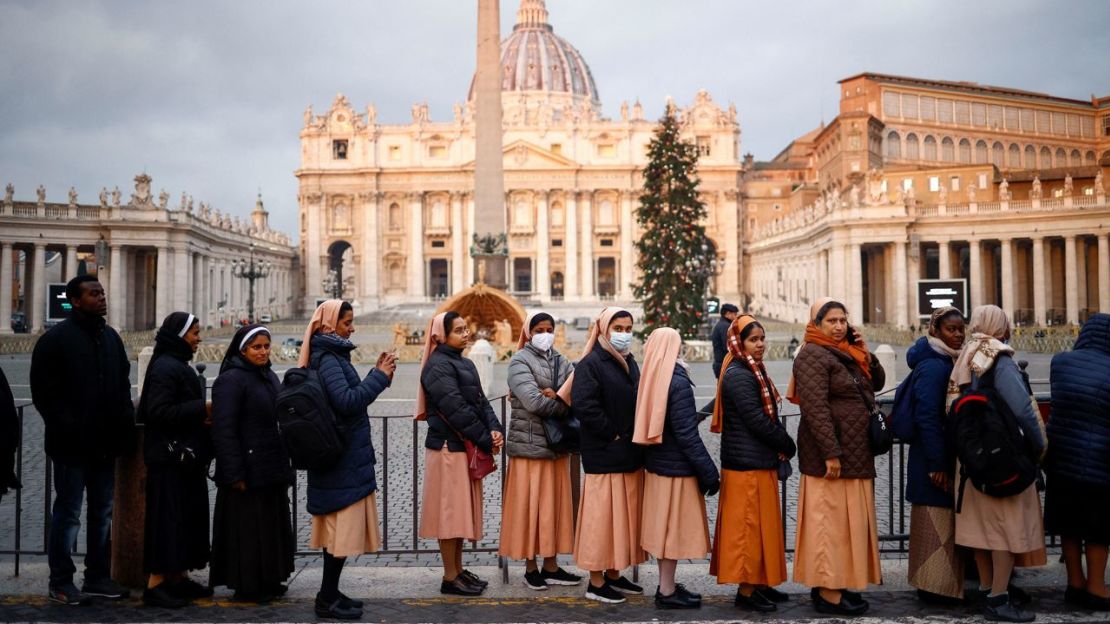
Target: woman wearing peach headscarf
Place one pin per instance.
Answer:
(450, 398)
(837, 547)
(537, 517)
(602, 390)
(680, 472)
(341, 498)
(748, 547)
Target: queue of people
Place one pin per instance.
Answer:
(636, 427)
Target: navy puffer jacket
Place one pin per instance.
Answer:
(682, 453)
(1079, 429)
(352, 478)
(928, 450)
(603, 397)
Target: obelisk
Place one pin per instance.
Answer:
(489, 250)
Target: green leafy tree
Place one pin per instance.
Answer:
(675, 254)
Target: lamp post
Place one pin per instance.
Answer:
(251, 271)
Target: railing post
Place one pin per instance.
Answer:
(19, 492)
(501, 561)
(385, 484)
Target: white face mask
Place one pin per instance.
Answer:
(544, 341)
(621, 341)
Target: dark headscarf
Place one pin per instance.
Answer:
(171, 336)
(235, 348)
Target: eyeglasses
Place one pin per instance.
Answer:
(461, 331)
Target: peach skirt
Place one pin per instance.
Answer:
(608, 532)
(349, 532)
(676, 526)
(838, 538)
(748, 545)
(1014, 524)
(452, 503)
(537, 517)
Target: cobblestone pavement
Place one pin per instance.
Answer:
(885, 607)
(399, 445)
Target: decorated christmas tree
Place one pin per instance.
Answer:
(674, 253)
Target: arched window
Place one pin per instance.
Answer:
(998, 155)
(396, 275)
(1089, 158)
(1076, 158)
(965, 151)
(1030, 157)
(981, 152)
(395, 219)
(893, 145)
(1015, 156)
(930, 148)
(1061, 157)
(1046, 158)
(947, 150)
(912, 152)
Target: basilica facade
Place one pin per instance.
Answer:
(387, 211)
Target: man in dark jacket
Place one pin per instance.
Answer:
(80, 385)
(9, 437)
(719, 338)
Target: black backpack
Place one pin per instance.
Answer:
(313, 436)
(987, 439)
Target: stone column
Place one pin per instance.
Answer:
(196, 305)
(901, 287)
(371, 256)
(570, 279)
(1103, 274)
(975, 273)
(731, 278)
(180, 279)
(944, 260)
(822, 271)
(1081, 274)
(855, 281)
(542, 283)
(70, 270)
(36, 294)
(163, 300)
(458, 244)
(117, 299)
(587, 264)
(1039, 309)
(311, 205)
(6, 287)
(1009, 304)
(416, 246)
(838, 267)
(469, 276)
(1071, 286)
(628, 251)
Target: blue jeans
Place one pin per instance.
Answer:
(70, 483)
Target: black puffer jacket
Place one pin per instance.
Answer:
(244, 426)
(749, 439)
(80, 386)
(682, 453)
(453, 390)
(173, 410)
(603, 397)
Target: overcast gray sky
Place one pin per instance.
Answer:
(207, 96)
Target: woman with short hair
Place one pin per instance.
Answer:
(451, 399)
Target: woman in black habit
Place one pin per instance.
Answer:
(177, 450)
(252, 544)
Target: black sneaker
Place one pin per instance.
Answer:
(161, 598)
(1001, 608)
(624, 585)
(605, 594)
(68, 594)
(336, 610)
(189, 589)
(534, 580)
(105, 588)
(560, 577)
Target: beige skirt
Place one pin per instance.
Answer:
(349, 532)
(676, 526)
(608, 533)
(936, 564)
(537, 517)
(1012, 524)
(837, 545)
(452, 503)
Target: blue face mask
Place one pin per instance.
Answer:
(621, 341)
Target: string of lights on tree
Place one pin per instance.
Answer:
(676, 258)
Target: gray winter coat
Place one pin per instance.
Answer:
(531, 370)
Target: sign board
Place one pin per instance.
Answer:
(57, 306)
(938, 293)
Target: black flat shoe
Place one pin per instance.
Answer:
(1075, 595)
(259, 598)
(677, 600)
(682, 588)
(1018, 596)
(756, 602)
(280, 589)
(936, 599)
(161, 597)
(844, 607)
(459, 587)
(473, 579)
(772, 594)
(1095, 603)
(847, 593)
(189, 589)
(336, 610)
(350, 602)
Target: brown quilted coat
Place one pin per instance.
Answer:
(835, 419)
